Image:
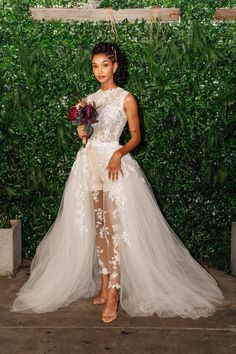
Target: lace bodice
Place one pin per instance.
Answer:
(111, 115)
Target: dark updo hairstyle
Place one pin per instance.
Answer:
(115, 54)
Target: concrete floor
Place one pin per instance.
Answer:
(78, 329)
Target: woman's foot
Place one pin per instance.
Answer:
(100, 299)
(109, 314)
(102, 296)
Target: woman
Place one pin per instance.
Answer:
(110, 234)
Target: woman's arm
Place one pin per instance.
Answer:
(131, 110)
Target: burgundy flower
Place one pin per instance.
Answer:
(91, 112)
(87, 114)
(73, 113)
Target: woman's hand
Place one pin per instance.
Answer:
(80, 104)
(81, 131)
(114, 166)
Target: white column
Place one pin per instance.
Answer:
(10, 249)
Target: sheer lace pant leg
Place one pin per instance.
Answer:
(112, 243)
(106, 239)
(101, 241)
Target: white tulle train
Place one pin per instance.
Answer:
(158, 274)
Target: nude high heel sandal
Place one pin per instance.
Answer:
(113, 316)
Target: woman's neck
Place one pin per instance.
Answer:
(108, 86)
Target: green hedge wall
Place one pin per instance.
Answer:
(183, 76)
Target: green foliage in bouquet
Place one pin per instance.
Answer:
(183, 77)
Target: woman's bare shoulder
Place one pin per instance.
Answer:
(129, 99)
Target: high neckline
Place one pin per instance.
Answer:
(110, 89)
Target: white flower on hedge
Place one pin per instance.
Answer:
(89, 4)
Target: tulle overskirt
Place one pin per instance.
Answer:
(158, 274)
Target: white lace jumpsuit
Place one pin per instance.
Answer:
(100, 147)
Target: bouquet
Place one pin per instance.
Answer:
(85, 114)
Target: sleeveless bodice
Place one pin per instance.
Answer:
(111, 115)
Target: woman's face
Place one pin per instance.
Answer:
(103, 68)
